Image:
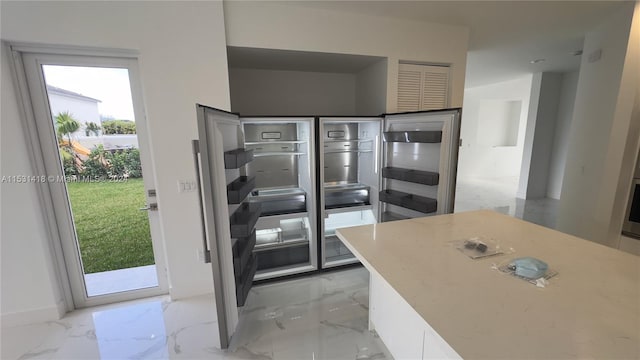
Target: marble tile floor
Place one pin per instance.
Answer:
(320, 317)
(499, 194)
(109, 282)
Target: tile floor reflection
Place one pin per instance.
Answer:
(499, 194)
(320, 317)
(109, 282)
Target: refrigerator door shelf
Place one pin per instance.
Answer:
(244, 284)
(239, 188)
(410, 201)
(234, 159)
(244, 219)
(413, 136)
(242, 251)
(414, 176)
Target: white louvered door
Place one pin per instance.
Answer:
(422, 87)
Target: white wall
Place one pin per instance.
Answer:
(279, 92)
(182, 57)
(29, 290)
(83, 111)
(371, 89)
(498, 122)
(288, 26)
(561, 134)
(538, 143)
(483, 160)
(603, 143)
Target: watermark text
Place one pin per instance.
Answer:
(27, 179)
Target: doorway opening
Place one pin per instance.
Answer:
(87, 128)
(94, 122)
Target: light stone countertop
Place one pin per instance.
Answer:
(591, 309)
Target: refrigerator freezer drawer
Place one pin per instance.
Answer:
(345, 196)
(413, 136)
(414, 202)
(284, 256)
(239, 189)
(414, 176)
(244, 219)
(234, 159)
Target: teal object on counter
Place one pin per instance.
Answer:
(529, 267)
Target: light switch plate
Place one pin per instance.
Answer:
(187, 186)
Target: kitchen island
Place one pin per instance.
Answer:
(429, 300)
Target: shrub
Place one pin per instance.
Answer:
(121, 163)
(116, 127)
(125, 162)
(96, 165)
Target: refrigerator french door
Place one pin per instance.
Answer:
(393, 167)
(256, 181)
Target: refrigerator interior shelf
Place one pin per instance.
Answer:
(275, 142)
(278, 153)
(348, 209)
(410, 201)
(347, 151)
(244, 219)
(414, 176)
(275, 236)
(239, 188)
(280, 201)
(272, 219)
(413, 136)
(283, 244)
(234, 159)
(348, 140)
(347, 195)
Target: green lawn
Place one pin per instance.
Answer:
(113, 233)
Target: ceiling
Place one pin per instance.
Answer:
(504, 35)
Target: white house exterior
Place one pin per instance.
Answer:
(83, 108)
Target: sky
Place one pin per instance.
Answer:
(109, 85)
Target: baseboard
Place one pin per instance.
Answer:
(34, 316)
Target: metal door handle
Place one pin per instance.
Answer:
(150, 207)
(195, 147)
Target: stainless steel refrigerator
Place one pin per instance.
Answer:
(376, 169)
(273, 190)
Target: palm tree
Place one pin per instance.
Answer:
(66, 124)
(92, 128)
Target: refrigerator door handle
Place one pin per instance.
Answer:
(196, 161)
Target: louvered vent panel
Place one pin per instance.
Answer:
(435, 90)
(409, 90)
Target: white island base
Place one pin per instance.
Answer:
(403, 331)
(428, 300)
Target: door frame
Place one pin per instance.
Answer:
(56, 208)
